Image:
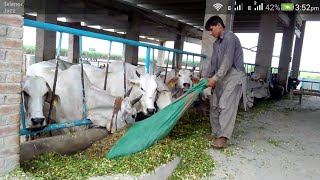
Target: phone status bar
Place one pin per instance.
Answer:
(255, 6)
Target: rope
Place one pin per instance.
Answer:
(107, 69)
(153, 62)
(84, 107)
(193, 66)
(250, 49)
(186, 67)
(53, 91)
(124, 70)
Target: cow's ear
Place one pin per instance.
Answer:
(134, 81)
(56, 99)
(172, 82)
(195, 80)
(24, 79)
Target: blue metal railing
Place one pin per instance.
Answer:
(53, 27)
(310, 84)
(80, 33)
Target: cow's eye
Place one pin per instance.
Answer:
(179, 75)
(46, 95)
(25, 93)
(142, 89)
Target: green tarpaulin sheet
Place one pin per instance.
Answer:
(145, 133)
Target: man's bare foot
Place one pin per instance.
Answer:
(219, 143)
(211, 136)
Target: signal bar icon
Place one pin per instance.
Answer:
(217, 6)
(259, 7)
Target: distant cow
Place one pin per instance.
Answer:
(180, 81)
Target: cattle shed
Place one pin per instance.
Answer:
(150, 21)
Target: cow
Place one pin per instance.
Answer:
(255, 88)
(181, 82)
(142, 83)
(103, 110)
(115, 81)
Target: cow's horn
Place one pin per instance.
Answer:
(137, 74)
(134, 101)
(129, 92)
(49, 93)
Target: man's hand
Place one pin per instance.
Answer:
(211, 83)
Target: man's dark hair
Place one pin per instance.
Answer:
(213, 21)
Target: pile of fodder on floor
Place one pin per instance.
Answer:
(187, 140)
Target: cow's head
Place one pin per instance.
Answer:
(126, 113)
(184, 79)
(146, 86)
(35, 91)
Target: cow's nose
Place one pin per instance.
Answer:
(36, 121)
(151, 111)
(186, 85)
(133, 116)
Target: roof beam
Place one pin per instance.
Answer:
(284, 18)
(184, 6)
(67, 24)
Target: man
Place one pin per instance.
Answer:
(227, 78)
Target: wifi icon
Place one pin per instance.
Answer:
(217, 6)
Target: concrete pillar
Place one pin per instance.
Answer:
(11, 57)
(286, 51)
(178, 44)
(46, 40)
(297, 52)
(268, 26)
(161, 56)
(207, 39)
(133, 31)
(73, 47)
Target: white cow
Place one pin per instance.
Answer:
(256, 88)
(180, 81)
(145, 84)
(115, 79)
(101, 109)
(152, 88)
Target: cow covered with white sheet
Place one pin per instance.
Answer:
(103, 109)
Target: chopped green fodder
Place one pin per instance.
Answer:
(187, 140)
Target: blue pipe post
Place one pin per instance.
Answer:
(59, 45)
(153, 62)
(80, 46)
(147, 60)
(23, 119)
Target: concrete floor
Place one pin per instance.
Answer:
(282, 143)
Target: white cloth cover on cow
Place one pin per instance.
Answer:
(100, 105)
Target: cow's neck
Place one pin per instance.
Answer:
(99, 99)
